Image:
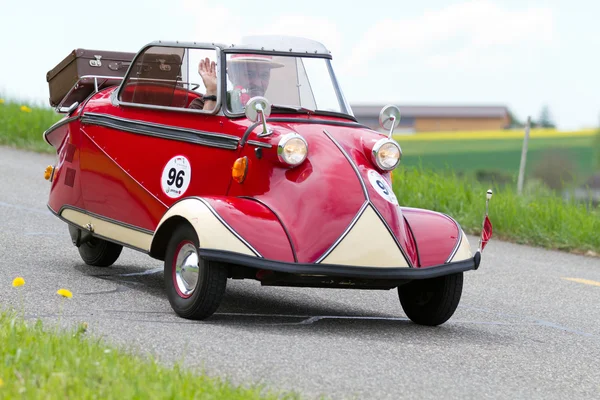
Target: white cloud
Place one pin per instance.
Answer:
(467, 33)
(214, 23)
(228, 25)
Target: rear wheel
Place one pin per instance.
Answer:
(431, 301)
(194, 287)
(99, 252)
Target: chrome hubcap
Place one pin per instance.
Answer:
(186, 269)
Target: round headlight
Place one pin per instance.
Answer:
(386, 154)
(292, 149)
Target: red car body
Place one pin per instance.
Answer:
(330, 221)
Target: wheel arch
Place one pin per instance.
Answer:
(439, 237)
(210, 228)
(158, 248)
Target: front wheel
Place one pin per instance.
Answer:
(194, 287)
(431, 301)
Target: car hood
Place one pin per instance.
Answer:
(335, 207)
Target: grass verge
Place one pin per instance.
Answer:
(536, 218)
(22, 125)
(42, 363)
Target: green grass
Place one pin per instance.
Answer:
(23, 128)
(39, 363)
(504, 155)
(537, 218)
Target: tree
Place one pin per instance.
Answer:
(515, 122)
(545, 120)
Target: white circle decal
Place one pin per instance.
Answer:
(382, 187)
(176, 177)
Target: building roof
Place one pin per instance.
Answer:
(369, 110)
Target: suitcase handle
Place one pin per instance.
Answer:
(115, 66)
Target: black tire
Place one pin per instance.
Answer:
(209, 289)
(431, 301)
(100, 253)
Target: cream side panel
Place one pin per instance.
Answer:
(110, 230)
(368, 244)
(211, 232)
(464, 249)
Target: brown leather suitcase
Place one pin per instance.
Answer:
(81, 62)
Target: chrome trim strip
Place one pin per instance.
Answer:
(93, 233)
(354, 167)
(207, 204)
(163, 131)
(345, 233)
(248, 49)
(106, 219)
(260, 144)
(410, 264)
(153, 124)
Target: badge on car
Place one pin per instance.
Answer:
(176, 176)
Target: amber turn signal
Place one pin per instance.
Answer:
(48, 172)
(239, 170)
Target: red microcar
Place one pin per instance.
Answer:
(243, 161)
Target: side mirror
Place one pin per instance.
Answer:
(389, 118)
(259, 105)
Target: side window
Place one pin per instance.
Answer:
(169, 77)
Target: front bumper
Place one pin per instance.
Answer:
(346, 271)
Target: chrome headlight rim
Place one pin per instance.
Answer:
(375, 153)
(285, 139)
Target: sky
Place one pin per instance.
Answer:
(523, 54)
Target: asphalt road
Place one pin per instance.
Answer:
(523, 329)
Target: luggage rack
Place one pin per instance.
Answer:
(85, 86)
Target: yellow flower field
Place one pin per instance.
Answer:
(498, 134)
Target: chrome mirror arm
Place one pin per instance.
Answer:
(393, 118)
(266, 131)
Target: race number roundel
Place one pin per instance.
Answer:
(176, 177)
(382, 187)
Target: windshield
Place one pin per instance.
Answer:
(286, 81)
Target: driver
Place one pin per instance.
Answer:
(249, 73)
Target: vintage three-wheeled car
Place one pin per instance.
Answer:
(243, 161)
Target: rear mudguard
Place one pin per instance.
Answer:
(438, 237)
(239, 225)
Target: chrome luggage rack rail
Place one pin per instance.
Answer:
(100, 82)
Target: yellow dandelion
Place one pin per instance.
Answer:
(65, 293)
(25, 109)
(18, 281)
(1, 381)
(1, 101)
